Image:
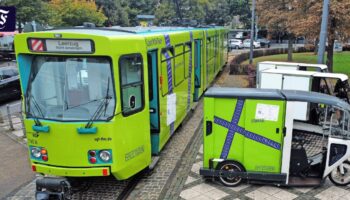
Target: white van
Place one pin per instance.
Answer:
(261, 66)
(334, 84)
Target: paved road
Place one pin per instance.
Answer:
(14, 166)
(273, 46)
(15, 107)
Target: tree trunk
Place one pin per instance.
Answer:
(330, 48)
(316, 45)
(330, 52)
(290, 48)
(19, 27)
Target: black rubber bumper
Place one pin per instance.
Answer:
(279, 178)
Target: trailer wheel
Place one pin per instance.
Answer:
(231, 166)
(341, 175)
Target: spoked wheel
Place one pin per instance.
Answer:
(341, 175)
(230, 166)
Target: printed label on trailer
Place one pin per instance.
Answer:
(78, 46)
(267, 112)
(171, 108)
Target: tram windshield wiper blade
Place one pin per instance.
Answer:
(31, 99)
(82, 104)
(99, 109)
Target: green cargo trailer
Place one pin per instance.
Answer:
(250, 134)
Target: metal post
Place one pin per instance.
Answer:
(9, 117)
(1, 119)
(323, 32)
(34, 26)
(256, 27)
(252, 34)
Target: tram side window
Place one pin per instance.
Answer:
(179, 74)
(188, 51)
(207, 49)
(131, 73)
(164, 69)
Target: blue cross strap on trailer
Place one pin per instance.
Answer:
(253, 135)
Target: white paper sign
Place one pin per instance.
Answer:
(83, 46)
(267, 112)
(171, 108)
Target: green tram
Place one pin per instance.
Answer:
(101, 101)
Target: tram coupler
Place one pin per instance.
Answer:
(53, 188)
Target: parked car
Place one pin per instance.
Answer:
(9, 84)
(235, 44)
(264, 42)
(7, 48)
(338, 46)
(246, 44)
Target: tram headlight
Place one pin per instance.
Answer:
(105, 156)
(36, 152)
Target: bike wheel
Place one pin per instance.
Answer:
(341, 175)
(230, 166)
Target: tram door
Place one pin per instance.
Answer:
(197, 68)
(153, 98)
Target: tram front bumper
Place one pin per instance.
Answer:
(71, 172)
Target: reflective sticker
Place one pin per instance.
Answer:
(37, 45)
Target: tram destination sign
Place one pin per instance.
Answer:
(61, 46)
(79, 46)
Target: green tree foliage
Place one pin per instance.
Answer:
(116, 12)
(140, 7)
(124, 12)
(27, 11)
(74, 13)
(218, 12)
(165, 13)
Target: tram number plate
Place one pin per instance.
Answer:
(72, 46)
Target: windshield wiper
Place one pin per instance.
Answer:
(99, 109)
(94, 100)
(31, 99)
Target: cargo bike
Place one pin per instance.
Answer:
(253, 135)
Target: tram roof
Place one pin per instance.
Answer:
(273, 94)
(112, 31)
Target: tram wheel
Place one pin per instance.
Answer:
(231, 166)
(341, 175)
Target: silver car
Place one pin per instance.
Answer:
(235, 44)
(246, 44)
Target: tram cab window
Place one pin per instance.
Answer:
(131, 73)
(70, 88)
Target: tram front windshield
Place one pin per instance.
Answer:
(70, 88)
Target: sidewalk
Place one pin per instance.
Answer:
(14, 168)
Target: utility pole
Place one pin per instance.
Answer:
(323, 32)
(256, 28)
(252, 34)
